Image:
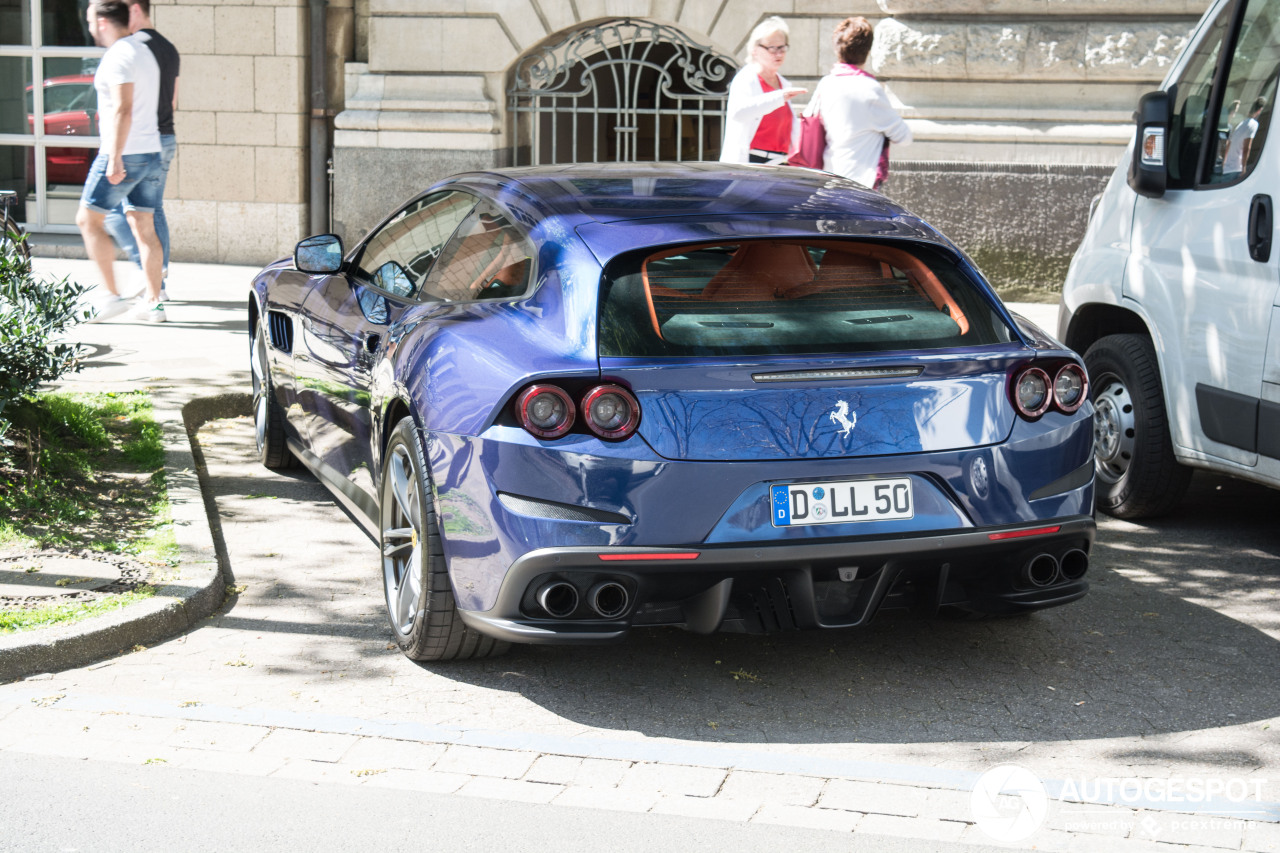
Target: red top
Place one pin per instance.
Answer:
(774, 132)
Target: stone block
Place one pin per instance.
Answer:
(808, 39)
(779, 788)
(193, 229)
(510, 790)
(520, 19)
(673, 779)
(216, 172)
(279, 175)
(807, 818)
(1084, 8)
(373, 753)
(995, 50)
(290, 31)
(195, 127)
(872, 798)
(279, 84)
(291, 225)
(216, 83)
(915, 828)
(1055, 51)
(478, 761)
(733, 27)
(368, 181)
(237, 128)
(248, 30)
(1132, 52)
(190, 28)
(705, 808)
(438, 44)
(294, 744)
(920, 49)
(291, 130)
(247, 235)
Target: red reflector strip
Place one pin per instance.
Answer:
(681, 555)
(1018, 534)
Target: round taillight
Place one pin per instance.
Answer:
(545, 411)
(1070, 388)
(1031, 395)
(610, 411)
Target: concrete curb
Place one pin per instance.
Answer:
(195, 592)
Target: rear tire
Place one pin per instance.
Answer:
(420, 603)
(268, 419)
(1138, 476)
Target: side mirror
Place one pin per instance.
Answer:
(319, 254)
(1149, 171)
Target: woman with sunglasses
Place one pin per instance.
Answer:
(760, 126)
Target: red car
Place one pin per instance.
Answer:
(70, 109)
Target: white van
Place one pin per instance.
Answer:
(1174, 293)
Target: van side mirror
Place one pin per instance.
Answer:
(319, 254)
(1149, 170)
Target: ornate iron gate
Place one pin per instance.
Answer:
(619, 91)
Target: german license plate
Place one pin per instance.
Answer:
(841, 502)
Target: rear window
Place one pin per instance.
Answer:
(785, 296)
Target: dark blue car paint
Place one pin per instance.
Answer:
(455, 367)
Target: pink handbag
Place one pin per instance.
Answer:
(813, 143)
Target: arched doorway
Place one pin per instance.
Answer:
(622, 90)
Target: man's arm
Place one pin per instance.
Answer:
(122, 120)
(175, 94)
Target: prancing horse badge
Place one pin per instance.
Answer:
(842, 417)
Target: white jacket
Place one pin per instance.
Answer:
(748, 103)
(857, 117)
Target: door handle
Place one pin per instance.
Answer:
(1261, 226)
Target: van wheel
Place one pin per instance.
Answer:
(420, 603)
(1137, 474)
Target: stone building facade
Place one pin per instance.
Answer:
(1020, 108)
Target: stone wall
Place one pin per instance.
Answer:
(237, 188)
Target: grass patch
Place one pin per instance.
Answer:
(12, 621)
(86, 471)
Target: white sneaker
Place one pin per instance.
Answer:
(164, 293)
(105, 309)
(151, 312)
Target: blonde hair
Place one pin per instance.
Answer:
(764, 29)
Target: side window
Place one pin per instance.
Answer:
(1191, 103)
(399, 257)
(1249, 97)
(487, 259)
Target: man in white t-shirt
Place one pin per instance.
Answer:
(128, 166)
(1240, 141)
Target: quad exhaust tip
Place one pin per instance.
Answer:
(1041, 570)
(1074, 564)
(558, 598)
(609, 599)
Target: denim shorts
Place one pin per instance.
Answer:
(142, 188)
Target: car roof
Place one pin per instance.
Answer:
(615, 207)
(609, 192)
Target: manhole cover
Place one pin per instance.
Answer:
(40, 578)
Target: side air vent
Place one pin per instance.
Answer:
(559, 511)
(280, 327)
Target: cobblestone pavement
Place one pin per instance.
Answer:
(1161, 680)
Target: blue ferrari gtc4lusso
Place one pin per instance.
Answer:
(568, 401)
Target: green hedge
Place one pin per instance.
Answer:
(33, 316)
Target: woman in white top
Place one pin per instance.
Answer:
(859, 120)
(760, 126)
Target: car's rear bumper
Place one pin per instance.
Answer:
(794, 585)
